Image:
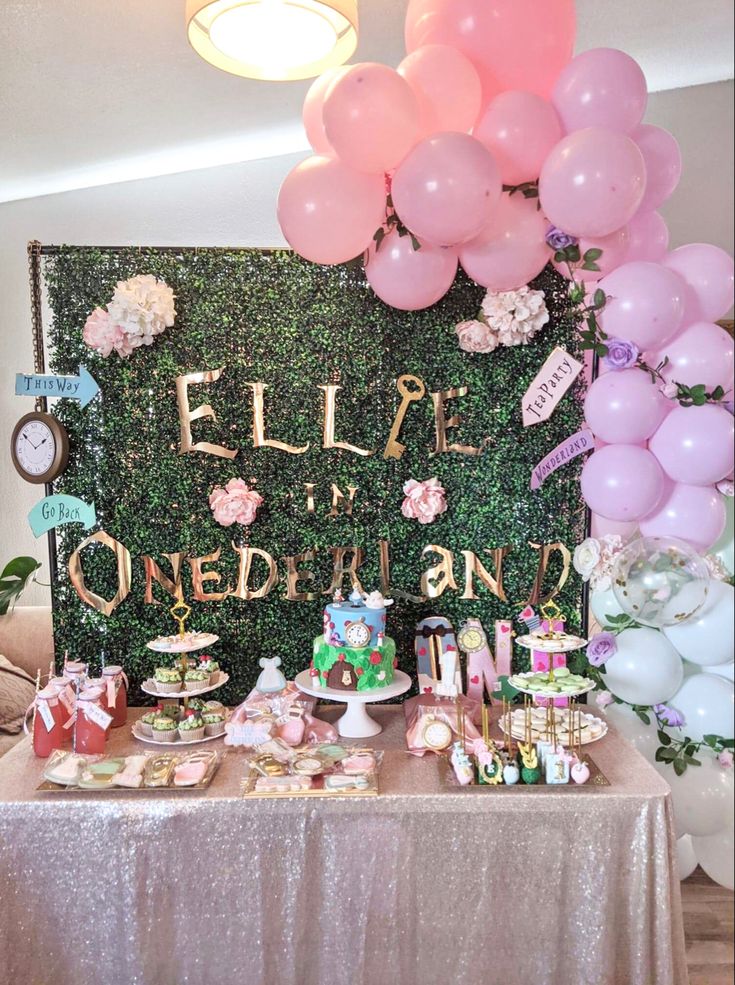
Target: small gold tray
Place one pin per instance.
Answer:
(316, 790)
(47, 786)
(449, 781)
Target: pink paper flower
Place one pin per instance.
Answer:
(104, 337)
(725, 759)
(424, 500)
(236, 503)
(603, 699)
(475, 336)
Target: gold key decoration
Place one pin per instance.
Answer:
(394, 449)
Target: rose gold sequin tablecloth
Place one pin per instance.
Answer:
(419, 886)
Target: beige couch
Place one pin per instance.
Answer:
(27, 640)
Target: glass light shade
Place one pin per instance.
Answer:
(275, 40)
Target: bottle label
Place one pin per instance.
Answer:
(45, 712)
(96, 714)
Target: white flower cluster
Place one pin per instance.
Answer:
(142, 307)
(507, 318)
(594, 560)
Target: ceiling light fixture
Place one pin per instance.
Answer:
(275, 40)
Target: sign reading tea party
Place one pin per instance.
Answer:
(283, 435)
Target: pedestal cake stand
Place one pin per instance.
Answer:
(356, 723)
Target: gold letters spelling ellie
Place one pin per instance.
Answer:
(346, 561)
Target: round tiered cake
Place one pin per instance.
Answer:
(354, 654)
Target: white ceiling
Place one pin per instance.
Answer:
(97, 91)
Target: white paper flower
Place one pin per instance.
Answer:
(142, 307)
(515, 316)
(586, 557)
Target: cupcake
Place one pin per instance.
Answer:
(211, 667)
(164, 729)
(214, 708)
(168, 680)
(214, 724)
(192, 728)
(195, 680)
(146, 722)
(198, 704)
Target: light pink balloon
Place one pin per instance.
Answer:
(520, 129)
(512, 250)
(513, 44)
(602, 527)
(614, 253)
(592, 182)
(622, 482)
(602, 87)
(314, 105)
(447, 189)
(410, 279)
(371, 117)
(695, 514)
(328, 212)
(645, 304)
(649, 237)
(624, 407)
(662, 155)
(702, 353)
(695, 445)
(446, 85)
(708, 271)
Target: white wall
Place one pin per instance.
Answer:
(235, 206)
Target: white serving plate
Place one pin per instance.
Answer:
(164, 644)
(150, 688)
(519, 731)
(548, 694)
(565, 644)
(176, 742)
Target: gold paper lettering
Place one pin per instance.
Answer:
(443, 424)
(186, 415)
(438, 579)
(338, 499)
(247, 554)
(199, 577)
(330, 415)
(259, 438)
(394, 449)
(340, 569)
(474, 568)
(124, 573)
(545, 551)
(294, 576)
(385, 586)
(154, 573)
(309, 487)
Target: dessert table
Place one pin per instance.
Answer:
(419, 886)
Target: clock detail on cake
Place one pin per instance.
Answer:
(354, 653)
(39, 447)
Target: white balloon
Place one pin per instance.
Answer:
(686, 857)
(725, 546)
(701, 796)
(721, 670)
(642, 736)
(716, 855)
(707, 703)
(603, 605)
(646, 670)
(707, 638)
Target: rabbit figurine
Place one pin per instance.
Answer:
(271, 680)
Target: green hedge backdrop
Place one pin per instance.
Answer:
(273, 317)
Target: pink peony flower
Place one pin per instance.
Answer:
(603, 699)
(725, 758)
(236, 503)
(475, 336)
(424, 500)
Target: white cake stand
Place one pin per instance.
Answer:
(355, 723)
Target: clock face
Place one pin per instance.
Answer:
(357, 634)
(437, 735)
(472, 639)
(35, 447)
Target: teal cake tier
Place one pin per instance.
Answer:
(354, 669)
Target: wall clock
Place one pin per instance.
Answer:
(39, 447)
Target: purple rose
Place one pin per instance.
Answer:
(620, 354)
(600, 648)
(669, 716)
(557, 239)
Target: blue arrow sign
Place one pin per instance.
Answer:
(55, 510)
(81, 388)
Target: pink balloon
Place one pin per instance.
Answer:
(371, 117)
(520, 129)
(328, 212)
(702, 353)
(645, 304)
(513, 44)
(446, 85)
(695, 445)
(614, 253)
(447, 189)
(314, 105)
(662, 155)
(512, 250)
(622, 482)
(649, 237)
(592, 182)
(601, 527)
(624, 407)
(410, 279)
(708, 271)
(695, 514)
(602, 87)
